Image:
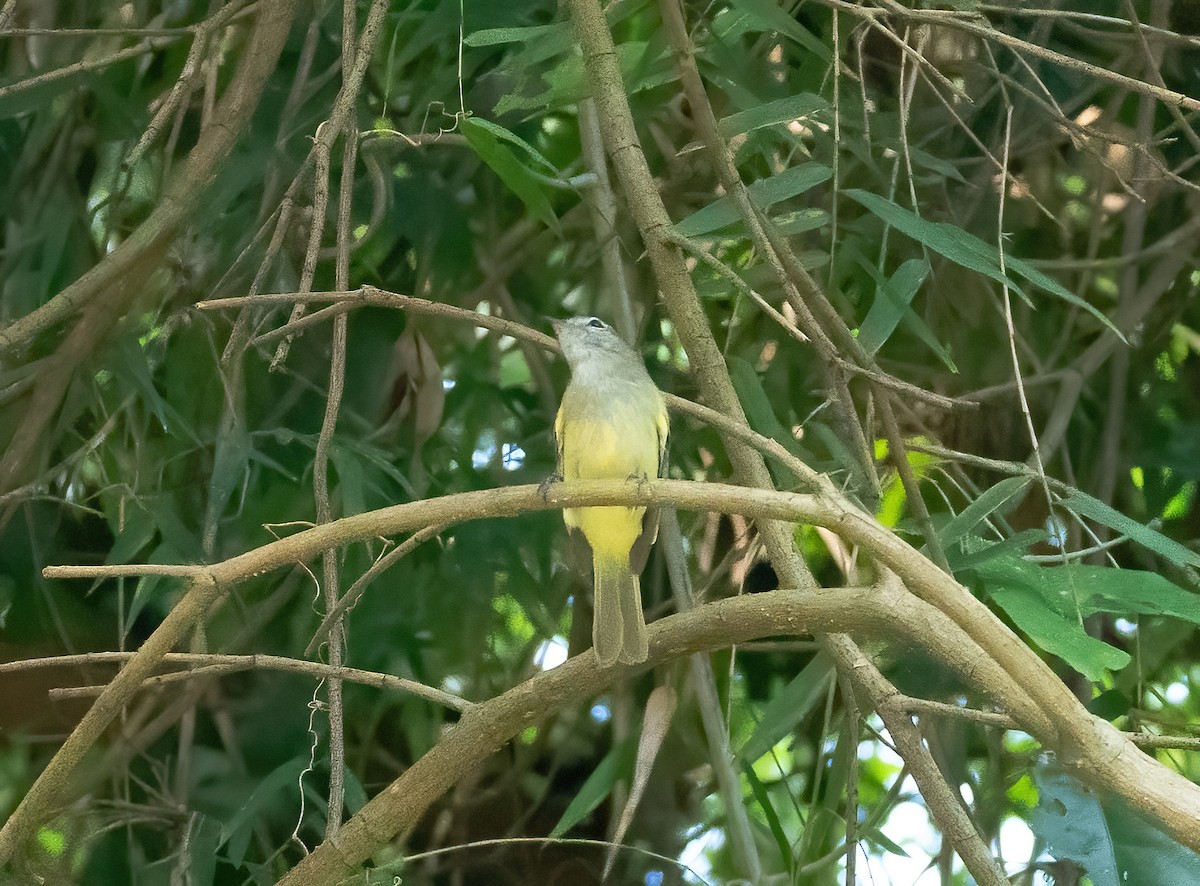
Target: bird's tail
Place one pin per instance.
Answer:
(618, 626)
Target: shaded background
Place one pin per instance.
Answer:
(875, 137)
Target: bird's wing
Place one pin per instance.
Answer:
(640, 552)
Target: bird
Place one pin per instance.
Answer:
(611, 424)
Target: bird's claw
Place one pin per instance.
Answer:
(641, 478)
(544, 486)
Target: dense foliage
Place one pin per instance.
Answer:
(993, 204)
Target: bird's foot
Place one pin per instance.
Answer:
(544, 486)
(641, 478)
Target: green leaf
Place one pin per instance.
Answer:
(617, 763)
(885, 842)
(966, 249)
(988, 503)
(1125, 592)
(1085, 505)
(1046, 604)
(893, 297)
(509, 136)
(350, 482)
(498, 36)
(771, 16)
(236, 833)
(1057, 635)
(800, 221)
(923, 160)
(511, 171)
(1102, 834)
(788, 707)
(760, 414)
(356, 794)
(132, 367)
(8, 593)
(230, 463)
(976, 550)
(782, 843)
(203, 841)
(1069, 818)
(138, 530)
(1110, 704)
(782, 110)
(1144, 853)
(892, 301)
(764, 193)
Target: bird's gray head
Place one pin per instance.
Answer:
(590, 338)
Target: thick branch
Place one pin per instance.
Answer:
(490, 725)
(960, 628)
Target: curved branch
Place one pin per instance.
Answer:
(954, 625)
(490, 725)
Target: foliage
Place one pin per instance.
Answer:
(963, 201)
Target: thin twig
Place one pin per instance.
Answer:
(214, 664)
(987, 32)
(351, 597)
(82, 67)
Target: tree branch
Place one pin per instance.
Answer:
(955, 626)
(490, 725)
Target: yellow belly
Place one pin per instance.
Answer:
(604, 450)
(609, 450)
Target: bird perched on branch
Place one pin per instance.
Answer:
(612, 424)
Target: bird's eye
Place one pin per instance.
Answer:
(595, 323)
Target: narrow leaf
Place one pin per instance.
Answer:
(987, 504)
(660, 709)
(1094, 509)
(788, 707)
(760, 413)
(764, 192)
(598, 786)
(498, 36)
(967, 250)
(509, 136)
(510, 170)
(771, 15)
(892, 300)
(238, 830)
(773, 823)
(783, 110)
(974, 551)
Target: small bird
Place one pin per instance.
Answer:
(612, 424)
